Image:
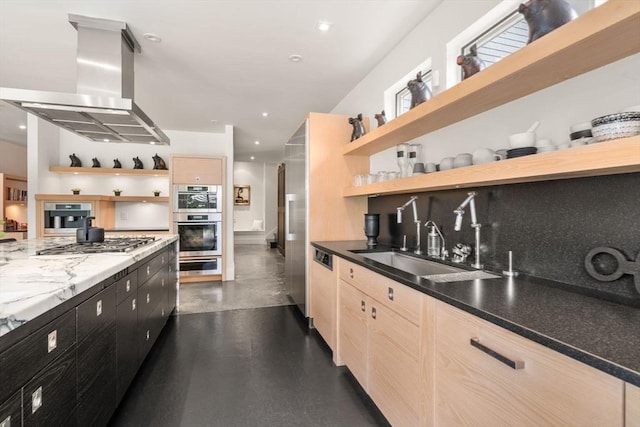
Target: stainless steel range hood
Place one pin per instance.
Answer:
(103, 107)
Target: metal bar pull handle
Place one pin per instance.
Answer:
(390, 293)
(362, 305)
(513, 364)
(287, 217)
(374, 314)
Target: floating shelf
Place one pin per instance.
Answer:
(15, 202)
(144, 199)
(99, 197)
(107, 171)
(604, 158)
(601, 36)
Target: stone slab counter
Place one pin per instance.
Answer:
(599, 333)
(31, 285)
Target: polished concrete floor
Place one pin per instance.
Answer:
(220, 363)
(259, 282)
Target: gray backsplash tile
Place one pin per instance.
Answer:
(550, 226)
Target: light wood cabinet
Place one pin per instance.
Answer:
(13, 200)
(196, 170)
(611, 33)
(474, 388)
(381, 347)
(323, 284)
(632, 406)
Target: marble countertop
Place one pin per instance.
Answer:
(599, 333)
(31, 284)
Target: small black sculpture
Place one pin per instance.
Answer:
(470, 63)
(96, 162)
(381, 118)
(75, 161)
(358, 127)
(137, 163)
(158, 163)
(544, 16)
(419, 90)
(117, 164)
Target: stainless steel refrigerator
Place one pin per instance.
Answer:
(296, 217)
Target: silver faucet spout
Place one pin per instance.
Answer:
(459, 211)
(416, 220)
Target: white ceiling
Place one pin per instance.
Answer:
(223, 60)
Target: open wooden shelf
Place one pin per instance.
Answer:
(144, 199)
(15, 177)
(108, 171)
(604, 158)
(99, 197)
(15, 202)
(603, 35)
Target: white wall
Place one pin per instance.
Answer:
(602, 91)
(13, 158)
(263, 179)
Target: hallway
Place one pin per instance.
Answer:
(224, 364)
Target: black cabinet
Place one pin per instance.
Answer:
(11, 411)
(96, 343)
(49, 399)
(127, 359)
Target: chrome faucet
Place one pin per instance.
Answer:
(412, 201)
(474, 223)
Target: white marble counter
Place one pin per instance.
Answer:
(31, 284)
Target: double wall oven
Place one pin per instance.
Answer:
(197, 218)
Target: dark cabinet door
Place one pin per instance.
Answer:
(11, 411)
(50, 396)
(96, 341)
(172, 283)
(127, 362)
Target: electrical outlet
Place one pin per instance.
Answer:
(123, 215)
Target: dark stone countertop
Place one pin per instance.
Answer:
(599, 333)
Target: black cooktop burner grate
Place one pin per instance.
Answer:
(113, 244)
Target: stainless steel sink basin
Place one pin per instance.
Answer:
(431, 270)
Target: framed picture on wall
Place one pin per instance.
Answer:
(241, 195)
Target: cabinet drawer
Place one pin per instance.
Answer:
(151, 267)
(126, 286)
(24, 359)
(49, 399)
(398, 297)
(352, 330)
(11, 411)
(632, 406)
(148, 298)
(473, 388)
(127, 361)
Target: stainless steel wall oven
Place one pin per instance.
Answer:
(197, 198)
(200, 242)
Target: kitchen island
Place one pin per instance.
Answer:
(75, 328)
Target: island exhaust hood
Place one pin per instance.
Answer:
(102, 109)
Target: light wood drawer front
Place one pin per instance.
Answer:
(632, 406)
(394, 295)
(352, 327)
(394, 383)
(475, 389)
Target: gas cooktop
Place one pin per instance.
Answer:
(113, 244)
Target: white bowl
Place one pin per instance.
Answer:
(543, 143)
(523, 139)
(580, 127)
(614, 126)
(547, 148)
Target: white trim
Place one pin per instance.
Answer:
(390, 94)
(503, 9)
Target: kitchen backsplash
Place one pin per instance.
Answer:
(550, 226)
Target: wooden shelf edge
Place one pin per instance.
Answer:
(107, 171)
(150, 199)
(15, 202)
(99, 197)
(609, 32)
(605, 158)
(15, 177)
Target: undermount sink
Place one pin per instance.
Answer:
(430, 270)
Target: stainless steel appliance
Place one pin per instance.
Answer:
(110, 244)
(296, 208)
(65, 218)
(200, 242)
(197, 198)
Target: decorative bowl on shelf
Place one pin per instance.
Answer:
(614, 126)
(522, 140)
(156, 193)
(75, 191)
(117, 191)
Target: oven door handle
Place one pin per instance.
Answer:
(287, 217)
(198, 223)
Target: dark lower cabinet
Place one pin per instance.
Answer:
(96, 346)
(127, 359)
(75, 370)
(11, 411)
(49, 399)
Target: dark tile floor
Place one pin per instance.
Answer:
(243, 367)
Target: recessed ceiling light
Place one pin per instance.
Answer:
(257, 142)
(214, 121)
(152, 142)
(295, 58)
(252, 158)
(324, 26)
(105, 140)
(23, 127)
(152, 37)
(265, 114)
